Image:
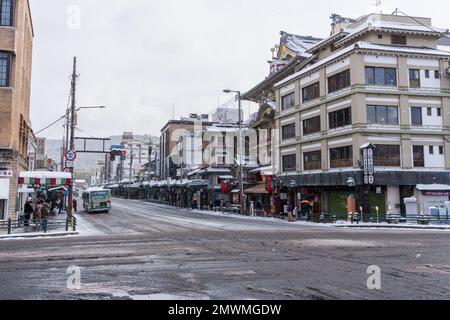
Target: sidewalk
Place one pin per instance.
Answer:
(341, 224)
(37, 235)
(393, 226)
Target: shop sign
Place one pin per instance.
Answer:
(6, 174)
(436, 193)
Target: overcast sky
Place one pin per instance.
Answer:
(138, 57)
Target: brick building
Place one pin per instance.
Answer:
(16, 42)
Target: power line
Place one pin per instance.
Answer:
(443, 34)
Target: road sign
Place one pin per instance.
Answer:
(70, 164)
(117, 147)
(71, 155)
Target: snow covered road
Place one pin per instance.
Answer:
(145, 251)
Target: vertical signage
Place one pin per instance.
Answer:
(369, 164)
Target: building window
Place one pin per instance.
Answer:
(441, 150)
(384, 115)
(380, 36)
(431, 149)
(341, 157)
(247, 147)
(6, 13)
(416, 116)
(311, 126)
(312, 160)
(311, 92)
(387, 156)
(288, 131)
(3, 209)
(439, 112)
(289, 163)
(437, 74)
(288, 102)
(399, 40)
(381, 76)
(5, 69)
(235, 146)
(429, 112)
(339, 81)
(340, 118)
(427, 74)
(414, 78)
(419, 156)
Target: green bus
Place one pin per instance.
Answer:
(97, 200)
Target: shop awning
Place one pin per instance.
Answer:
(226, 177)
(45, 178)
(265, 171)
(259, 189)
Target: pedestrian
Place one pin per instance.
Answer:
(74, 204)
(290, 210)
(37, 215)
(28, 211)
(60, 206)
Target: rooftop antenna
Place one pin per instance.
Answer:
(378, 4)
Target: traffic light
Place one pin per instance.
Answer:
(123, 152)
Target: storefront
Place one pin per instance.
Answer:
(432, 196)
(50, 185)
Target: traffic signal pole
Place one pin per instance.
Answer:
(72, 133)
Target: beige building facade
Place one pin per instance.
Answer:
(16, 44)
(380, 80)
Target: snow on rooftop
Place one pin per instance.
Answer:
(298, 44)
(368, 46)
(433, 187)
(371, 24)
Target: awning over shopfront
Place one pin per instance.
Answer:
(226, 177)
(259, 189)
(265, 171)
(45, 178)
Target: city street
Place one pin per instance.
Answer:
(145, 251)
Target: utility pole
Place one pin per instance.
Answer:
(72, 131)
(131, 173)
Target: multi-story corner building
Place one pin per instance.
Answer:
(16, 42)
(288, 55)
(382, 80)
(171, 133)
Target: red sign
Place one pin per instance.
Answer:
(225, 186)
(71, 155)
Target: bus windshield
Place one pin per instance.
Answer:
(99, 194)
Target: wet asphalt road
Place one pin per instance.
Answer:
(144, 251)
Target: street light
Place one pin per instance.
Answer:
(238, 93)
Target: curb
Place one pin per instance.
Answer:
(391, 227)
(38, 235)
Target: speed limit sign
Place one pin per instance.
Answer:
(71, 155)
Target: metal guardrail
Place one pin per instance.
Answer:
(41, 225)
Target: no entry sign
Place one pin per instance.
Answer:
(71, 155)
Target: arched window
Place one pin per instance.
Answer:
(247, 146)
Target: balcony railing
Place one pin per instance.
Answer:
(341, 163)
